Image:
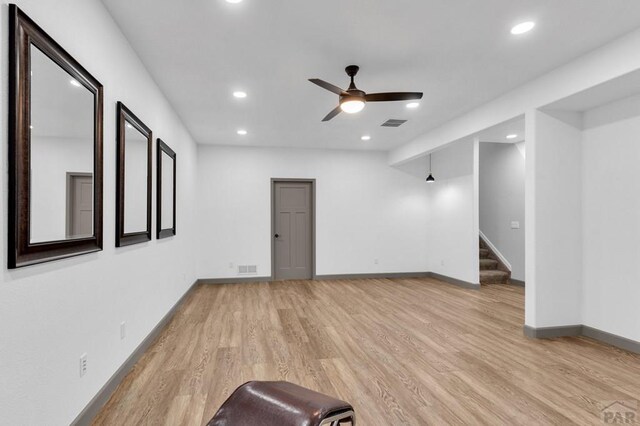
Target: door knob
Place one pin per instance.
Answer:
(277, 235)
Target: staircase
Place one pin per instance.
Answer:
(492, 271)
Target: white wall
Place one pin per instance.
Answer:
(135, 171)
(611, 218)
(554, 221)
(582, 210)
(52, 313)
(452, 212)
(51, 160)
(366, 210)
(502, 201)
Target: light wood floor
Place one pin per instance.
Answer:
(402, 351)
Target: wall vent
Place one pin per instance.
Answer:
(247, 269)
(393, 123)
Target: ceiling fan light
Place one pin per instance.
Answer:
(352, 106)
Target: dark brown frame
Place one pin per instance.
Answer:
(167, 232)
(124, 116)
(23, 33)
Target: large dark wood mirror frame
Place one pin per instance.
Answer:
(133, 178)
(166, 196)
(29, 47)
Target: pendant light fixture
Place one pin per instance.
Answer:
(430, 178)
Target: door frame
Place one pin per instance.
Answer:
(273, 222)
(69, 199)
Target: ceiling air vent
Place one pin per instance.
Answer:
(393, 123)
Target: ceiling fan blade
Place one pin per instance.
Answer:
(333, 113)
(328, 86)
(392, 96)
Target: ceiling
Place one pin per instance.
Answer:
(459, 53)
(59, 109)
(499, 132)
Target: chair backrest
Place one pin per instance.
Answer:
(279, 404)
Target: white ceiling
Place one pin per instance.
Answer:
(58, 108)
(499, 132)
(459, 53)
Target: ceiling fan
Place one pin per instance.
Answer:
(353, 100)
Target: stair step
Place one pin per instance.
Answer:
(494, 277)
(484, 253)
(488, 264)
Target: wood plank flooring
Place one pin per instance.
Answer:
(402, 351)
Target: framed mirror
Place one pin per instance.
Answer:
(166, 197)
(133, 179)
(55, 149)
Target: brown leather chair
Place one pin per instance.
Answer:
(281, 404)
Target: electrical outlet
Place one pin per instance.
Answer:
(123, 330)
(442, 262)
(83, 364)
(230, 265)
(376, 261)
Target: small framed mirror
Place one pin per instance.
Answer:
(166, 197)
(133, 178)
(55, 149)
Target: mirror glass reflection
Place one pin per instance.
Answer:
(61, 150)
(167, 191)
(135, 182)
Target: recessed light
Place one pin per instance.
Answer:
(412, 105)
(75, 82)
(366, 138)
(234, 1)
(240, 94)
(512, 136)
(241, 132)
(523, 27)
